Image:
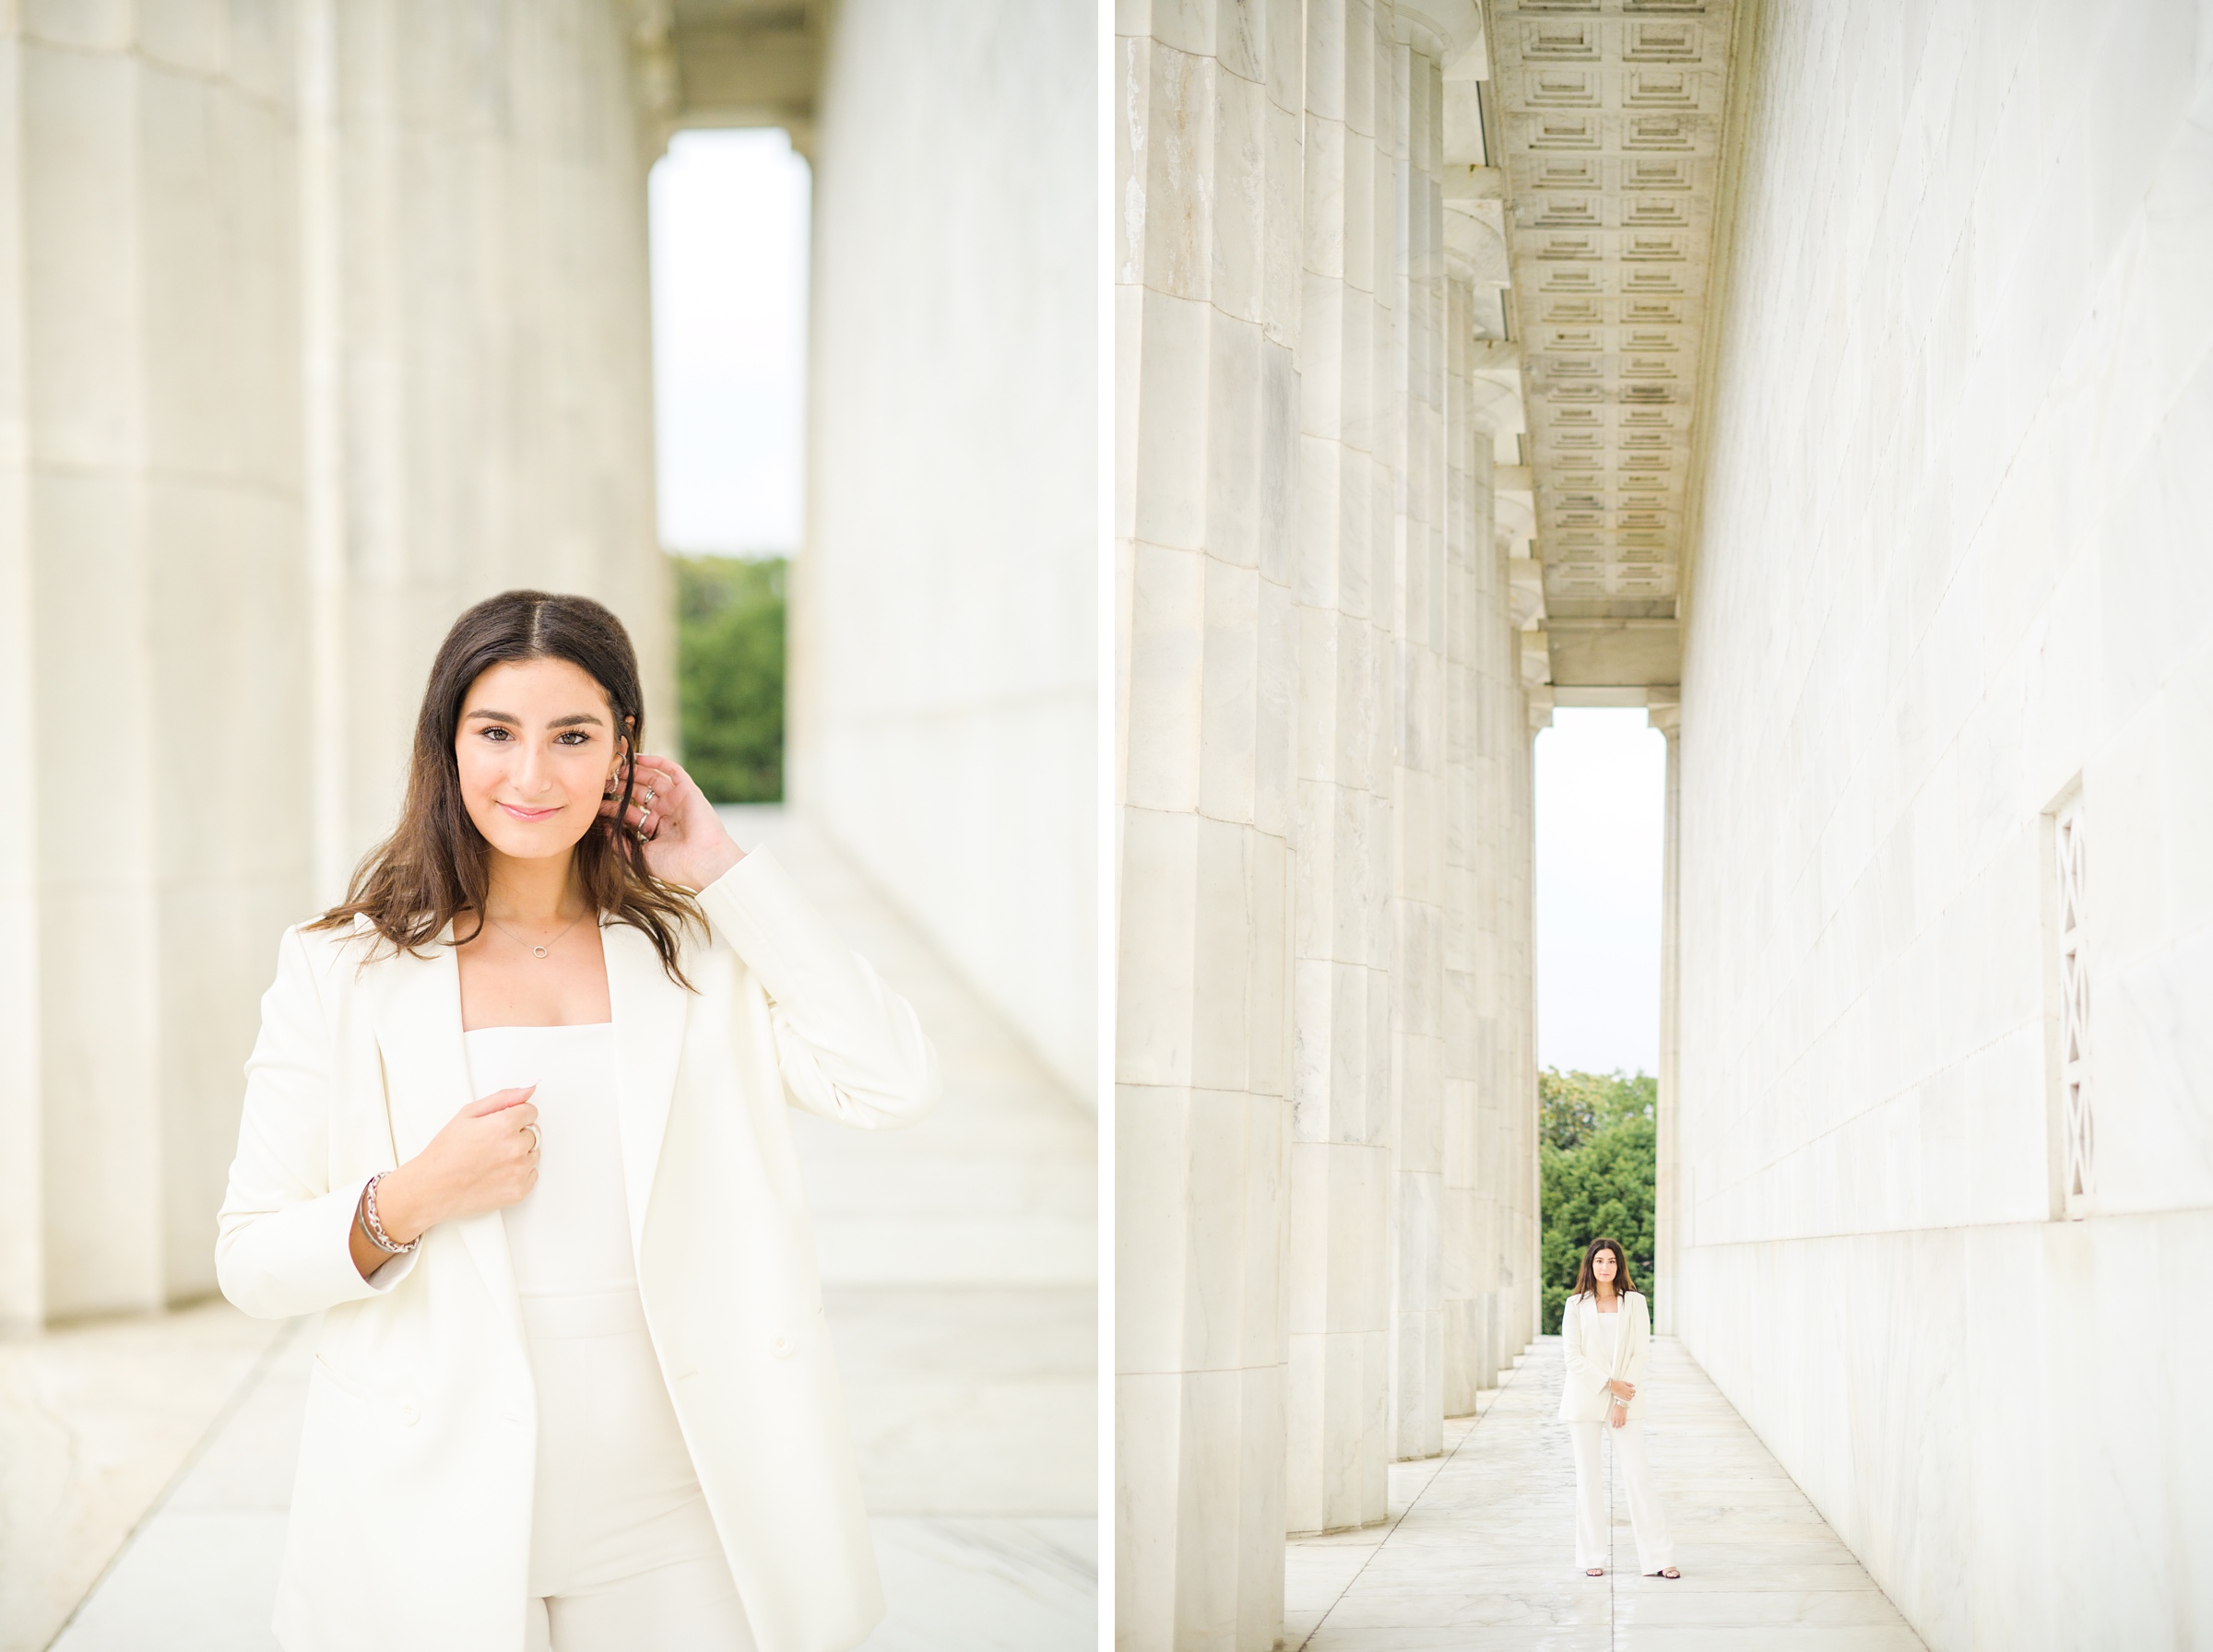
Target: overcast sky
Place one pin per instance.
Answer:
(1601, 780)
(729, 339)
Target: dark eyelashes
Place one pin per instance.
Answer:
(568, 737)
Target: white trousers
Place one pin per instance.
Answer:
(1593, 1517)
(623, 1554)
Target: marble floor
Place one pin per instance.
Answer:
(1478, 1555)
(95, 1421)
(958, 1262)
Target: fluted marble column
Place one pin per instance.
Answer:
(1489, 730)
(1513, 1103)
(1298, 461)
(1423, 593)
(1351, 388)
(149, 537)
(483, 417)
(1207, 314)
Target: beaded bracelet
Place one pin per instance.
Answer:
(375, 1229)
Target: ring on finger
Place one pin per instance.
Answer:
(537, 1142)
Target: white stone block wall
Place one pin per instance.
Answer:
(1303, 485)
(943, 709)
(1955, 568)
(322, 321)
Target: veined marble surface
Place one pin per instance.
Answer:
(1479, 1552)
(970, 1369)
(199, 1575)
(95, 1420)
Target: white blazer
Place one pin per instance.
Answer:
(410, 1518)
(1583, 1396)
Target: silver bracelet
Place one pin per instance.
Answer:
(375, 1229)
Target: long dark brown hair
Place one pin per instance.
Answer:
(433, 866)
(1586, 1282)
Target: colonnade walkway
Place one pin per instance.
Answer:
(959, 1262)
(1479, 1552)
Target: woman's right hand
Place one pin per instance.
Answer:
(484, 1160)
(1620, 1389)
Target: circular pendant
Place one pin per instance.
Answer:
(538, 951)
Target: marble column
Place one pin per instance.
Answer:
(1302, 491)
(1423, 593)
(1351, 455)
(1512, 1103)
(1667, 1214)
(1483, 1169)
(942, 697)
(1208, 205)
(1518, 1175)
(482, 418)
(149, 537)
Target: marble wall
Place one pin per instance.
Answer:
(322, 321)
(945, 607)
(1955, 575)
(1318, 692)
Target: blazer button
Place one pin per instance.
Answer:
(410, 1413)
(781, 1348)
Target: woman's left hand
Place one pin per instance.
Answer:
(685, 843)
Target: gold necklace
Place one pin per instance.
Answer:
(536, 952)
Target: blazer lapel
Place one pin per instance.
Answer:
(416, 1008)
(415, 1003)
(1621, 1334)
(649, 1010)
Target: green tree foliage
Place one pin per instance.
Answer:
(1598, 1147)
(729, 664)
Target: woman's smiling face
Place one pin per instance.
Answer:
(536, 745)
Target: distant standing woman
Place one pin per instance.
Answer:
(1606, 1328)
(516, 1128)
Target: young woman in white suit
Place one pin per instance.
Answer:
(1606, 1329)
(515, 1125)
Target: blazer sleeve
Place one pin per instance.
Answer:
(283, 1237)
(850, 1049)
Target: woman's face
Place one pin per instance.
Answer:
(536, 745)
(1604, 1267)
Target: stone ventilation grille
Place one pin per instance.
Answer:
(2078, 1139)
(1610, 116)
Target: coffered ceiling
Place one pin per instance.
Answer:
(1607, 124)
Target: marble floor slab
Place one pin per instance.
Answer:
(959, 1268)
(95, 1420)
(199, 1574)
(1478, 1554)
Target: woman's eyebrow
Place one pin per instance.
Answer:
(568, 722)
